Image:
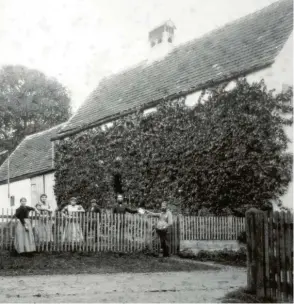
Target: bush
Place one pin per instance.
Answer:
(228, 257)
(225, 154)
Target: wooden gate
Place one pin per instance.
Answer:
(270, 254)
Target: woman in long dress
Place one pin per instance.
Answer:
(24, 238)
(44, 223)
(73, 231)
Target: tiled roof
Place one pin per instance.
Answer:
(251, 42)
(32, 155)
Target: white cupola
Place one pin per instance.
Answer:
(161, 40)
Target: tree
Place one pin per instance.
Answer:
(226, 154)
(29, 102)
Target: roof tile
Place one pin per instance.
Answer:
(250, 42)
(32, 155)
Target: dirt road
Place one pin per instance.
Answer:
(198, 286)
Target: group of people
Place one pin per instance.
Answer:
(25, 240)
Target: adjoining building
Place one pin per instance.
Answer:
(31, 171)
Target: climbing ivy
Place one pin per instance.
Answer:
(223, 155)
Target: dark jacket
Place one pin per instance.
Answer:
(22, 213)
(121, 209)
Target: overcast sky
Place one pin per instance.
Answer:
(80, 41)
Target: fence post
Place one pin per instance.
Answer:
(178, 236)
(255, 251)
(250, 225)
(260, 244)
(251, 249)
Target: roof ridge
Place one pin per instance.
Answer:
(63, 125)
(31, 155)
(11, 154)
(233, 22)
(44, 131)
(25, 139)
(236, 45)
(186, 43)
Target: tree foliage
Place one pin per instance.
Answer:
(29, 102)
(223, 155)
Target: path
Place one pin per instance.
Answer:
(198, 286)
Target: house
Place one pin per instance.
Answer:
(258, 46)
(31, 171)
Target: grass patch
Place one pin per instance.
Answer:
(226, 257)
(91, 263)
(243, 295)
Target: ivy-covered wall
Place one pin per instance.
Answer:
(225, 154)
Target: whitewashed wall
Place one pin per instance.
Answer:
(37, 188)
(31, 189)
(17, 189)
(49, 189)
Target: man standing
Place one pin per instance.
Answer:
(121, 225)
(163, 227)
(121, 208)
(94, 207)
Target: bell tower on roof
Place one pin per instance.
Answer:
(161, 40)
(163, 34)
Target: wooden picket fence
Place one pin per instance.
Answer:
(270, 254)
(101, 233)
(122, 233)
(211, 227)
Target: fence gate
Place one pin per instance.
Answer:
(270, 254)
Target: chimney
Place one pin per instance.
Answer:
(161, 40)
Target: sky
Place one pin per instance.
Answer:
(81, 41)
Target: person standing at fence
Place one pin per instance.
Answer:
(44, 223)
(59, 224)
(24, 239)
(73, 230)
(120, 208)
(163, 227)
(94, 209)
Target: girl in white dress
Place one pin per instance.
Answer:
(73, 230)
(44, 224)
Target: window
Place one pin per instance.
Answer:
(149, 111)
(12, 201)
(285, 88)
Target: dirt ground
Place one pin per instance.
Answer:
(205, 286)
(75, 263)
